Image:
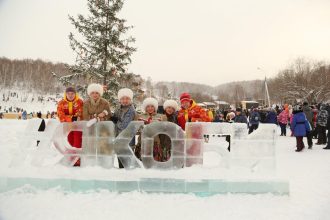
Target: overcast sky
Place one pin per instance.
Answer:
(204, 41)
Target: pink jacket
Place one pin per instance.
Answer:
(283, 117)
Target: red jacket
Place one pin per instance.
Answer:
(68, 109)
(194, 113)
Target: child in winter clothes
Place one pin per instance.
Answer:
(282, 119)
(300, 127)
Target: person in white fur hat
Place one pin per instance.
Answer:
(171, 108)
(96, 108)
(124, 114)
(149, 107)
(150, 115)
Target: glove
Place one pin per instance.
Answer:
(91, 122)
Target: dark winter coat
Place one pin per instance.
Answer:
(322, 118)
(271, 118)
(309, 113)
(240, 119)
(171, 118)
(254, 118)
(300, 125)
(123, 116)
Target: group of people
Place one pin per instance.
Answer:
(302, 119)
(95, 108)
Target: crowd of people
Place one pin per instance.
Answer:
(303, 120)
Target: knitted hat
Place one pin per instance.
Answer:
(171, 103)
(95, 88)
(70, 89)
(125, 92)
(185, 97)
(150, 101)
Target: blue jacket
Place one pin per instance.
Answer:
(122, 117)
(254, 118)
(240, 119)
(300, 126)
(271, 118)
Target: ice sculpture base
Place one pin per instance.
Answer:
(203, 187)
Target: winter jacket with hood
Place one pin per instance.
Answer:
(300, 125)
(283, 117)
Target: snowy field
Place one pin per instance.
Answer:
(307, 171)
(27, 100)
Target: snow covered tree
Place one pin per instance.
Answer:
(302, 81)
(103, 47)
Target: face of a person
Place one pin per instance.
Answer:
(238, 113)
(150, 109)
(169, 110)
(185, 104)
(95, 95)
(70, 96)
(125, 101)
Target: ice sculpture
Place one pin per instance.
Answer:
(98, 144)
(255, 152)
(60, 139)
(28, 142)
(123, 147)
(175, 133)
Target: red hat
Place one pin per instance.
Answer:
(185, 97)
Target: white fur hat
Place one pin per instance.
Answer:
(125, 92)
(171, 103)
(95, 88)
(150, 101)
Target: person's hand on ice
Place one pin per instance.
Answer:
(91, 122)
(103, 114)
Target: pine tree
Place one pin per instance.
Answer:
(105, 48)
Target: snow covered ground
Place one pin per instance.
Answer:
(307, 171)
(27, 100)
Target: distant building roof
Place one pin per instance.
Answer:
(208, 103)
(221, 102)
